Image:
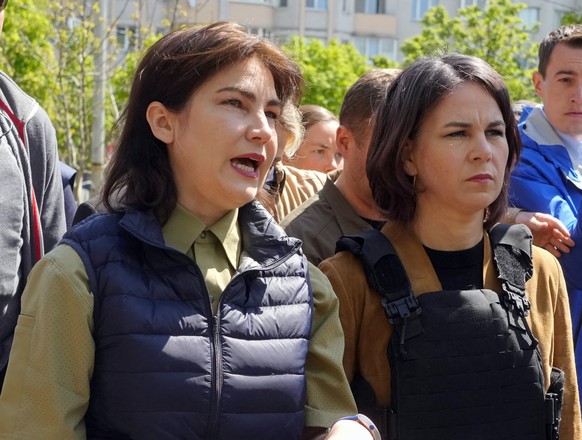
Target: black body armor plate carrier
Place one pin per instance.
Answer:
(465, 364)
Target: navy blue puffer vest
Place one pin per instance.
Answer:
(165, 367)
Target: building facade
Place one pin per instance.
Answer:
(375, 27)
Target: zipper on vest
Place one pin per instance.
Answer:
(216, 349)
(270, 266)
(216, 376)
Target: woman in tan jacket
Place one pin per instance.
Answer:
(476, 320)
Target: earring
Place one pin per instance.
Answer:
(414, 180)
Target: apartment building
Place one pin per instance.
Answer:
(374, 26)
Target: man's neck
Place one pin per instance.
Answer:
(363, 205)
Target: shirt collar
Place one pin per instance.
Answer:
(228, 233)
(570, 142)
(183, 228)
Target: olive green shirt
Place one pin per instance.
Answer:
(47, 387)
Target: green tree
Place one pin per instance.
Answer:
(571, 18)
(383, 62)
(123, 73)
(329, 70)
(27, 51)
(494, 33)
(49, 49)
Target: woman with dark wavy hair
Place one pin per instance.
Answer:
(185, 312)
(456, 328)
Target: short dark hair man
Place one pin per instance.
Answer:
(346, 206)
(548, 177)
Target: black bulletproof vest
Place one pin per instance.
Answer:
(465, 364)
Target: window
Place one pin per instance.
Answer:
(466, 3)
(372, 47)
(126, 37)
(283, 3)
(371, 6)
(262, 32)
(316, 4)
(530, 17)
(419, 8)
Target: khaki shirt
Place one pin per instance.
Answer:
(321, 221)
(47, 387)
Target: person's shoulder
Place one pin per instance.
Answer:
(347, 276)
(309, 208)
(88, 208)
(544, 261)
(94, 226)
(319, 283)
(324, 277)
(344, 263)
(68, 173)
(301, 176)
(63, 256)
(547, 275)
(18, 102)
(6, 82)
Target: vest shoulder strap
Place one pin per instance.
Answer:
(384, 272)
(512, 249)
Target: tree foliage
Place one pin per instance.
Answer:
(49, 49)
(494, 33)
(27, 50)
(123, 73)
(384, 62)
(571, 18)
(329, 70)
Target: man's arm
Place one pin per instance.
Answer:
(532, 189)
(46, 177)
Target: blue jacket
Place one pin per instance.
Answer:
(545, 180)
(165, 367)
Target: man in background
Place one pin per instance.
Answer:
(548, 177)
(345, 206)
(32, 217)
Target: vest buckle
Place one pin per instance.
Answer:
(514, 300)
(401, 309)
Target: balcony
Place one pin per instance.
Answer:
(375, 24)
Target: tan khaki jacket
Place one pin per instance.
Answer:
(294, 186)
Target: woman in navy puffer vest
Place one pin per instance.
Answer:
(185, 312)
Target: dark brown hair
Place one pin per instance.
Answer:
(409, 100)
(170, 72)
(363, 98)
(570, 35)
